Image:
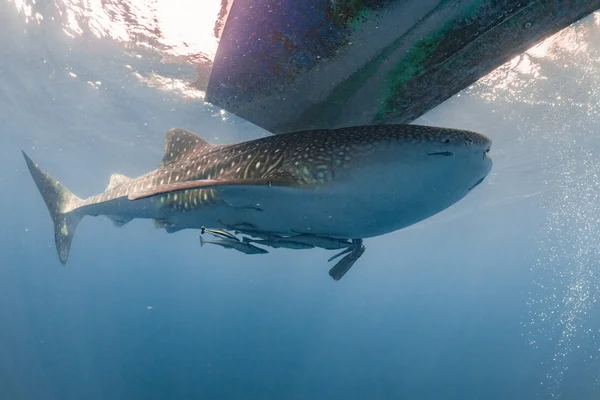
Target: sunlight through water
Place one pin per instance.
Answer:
(183, 27)
(182, 32)
(555, 84)
(558, 76)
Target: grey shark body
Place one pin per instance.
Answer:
(347, 183)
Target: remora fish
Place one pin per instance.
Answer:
(219, 233)
(346, 183)
(261, 235)
(320, 241)
(280, 244)
(237, 245)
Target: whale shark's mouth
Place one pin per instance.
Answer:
(475, 185)
(442, 153)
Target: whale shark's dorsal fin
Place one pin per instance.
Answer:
(117, 180)
(181, 144)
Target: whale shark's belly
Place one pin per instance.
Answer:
(370, 203)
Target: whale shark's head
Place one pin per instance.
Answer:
(423, 156)
(434, 167)
(405, 173)
(466, 154)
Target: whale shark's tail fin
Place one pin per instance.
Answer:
(62, 205)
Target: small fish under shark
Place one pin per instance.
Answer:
(328, 188)
(243, 247)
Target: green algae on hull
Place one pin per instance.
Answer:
(353, 12)
(412, 65)
(370, 61)
(425, 53)
(500, 31)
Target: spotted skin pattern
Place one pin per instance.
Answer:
(308, 157)
(347, 183)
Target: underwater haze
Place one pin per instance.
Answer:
(493, 298)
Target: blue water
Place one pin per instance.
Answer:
(495, 298)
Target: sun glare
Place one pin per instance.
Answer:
(509, 79)
(179, 27)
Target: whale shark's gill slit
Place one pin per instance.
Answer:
(477, 184)
(442, 153)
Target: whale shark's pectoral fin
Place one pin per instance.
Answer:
(222, 185)
(160, 223)
(166, 225)
(344, 265)
(119, 221)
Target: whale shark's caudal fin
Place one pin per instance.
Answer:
(62, 205)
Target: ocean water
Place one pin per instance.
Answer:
(494, 298)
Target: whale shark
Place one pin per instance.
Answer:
(347, 183)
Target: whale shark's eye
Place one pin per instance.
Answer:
(469, 142)
(446, 140)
